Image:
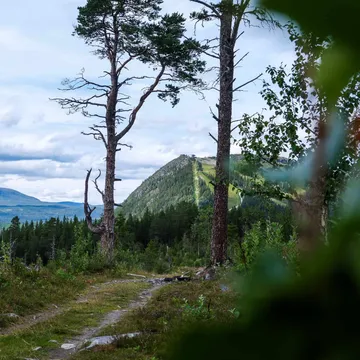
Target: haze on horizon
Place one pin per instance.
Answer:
(42, 152)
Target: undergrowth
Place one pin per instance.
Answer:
(165, 316)
(79, 315)
(25, 290)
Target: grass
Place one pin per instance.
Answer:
(70, 323)
(25, 292)
(162, 319)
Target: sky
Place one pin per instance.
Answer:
(42, 151)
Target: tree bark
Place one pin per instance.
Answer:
(108, 234)
(221, 195)
(312, 216)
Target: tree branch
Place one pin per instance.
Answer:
(248, 82)
(241, 59)
(97, 134)
(74, 105)
(213, 137)
(96, 185)
(119, 148)
(123, 65)
(88, 210)
(125, 82)
(213, 115)
(209, 6)
(134, 113)
(235, 30)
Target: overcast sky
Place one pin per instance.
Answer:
(42, 151)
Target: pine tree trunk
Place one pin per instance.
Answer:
(108, 222)
(108, 236)
(221, 195)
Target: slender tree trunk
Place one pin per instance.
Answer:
(312, 216)
(221, 195)
(324, 221)
(108, 235)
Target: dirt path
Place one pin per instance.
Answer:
(109, 319)
(54, 310)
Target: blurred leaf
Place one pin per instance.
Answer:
(339, 63)
(328, 19)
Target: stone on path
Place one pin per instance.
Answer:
(106, 340)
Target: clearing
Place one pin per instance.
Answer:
(145, 308)
(40, 336)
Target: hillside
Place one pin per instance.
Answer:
(27, 208)
(182, 179)
(10, 197)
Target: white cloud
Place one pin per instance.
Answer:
(43, 153)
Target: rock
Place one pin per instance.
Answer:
(11, 315)
(156, 281)
(200, 271)
(101, 340)
(136, 275)
(210, 274)
(53, 341)
(224, 288)
(36, 348)
(68, 346)
(106, 340)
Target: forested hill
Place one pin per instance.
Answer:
(186, 178)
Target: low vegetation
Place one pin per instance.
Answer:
(37, 340)
(169, 312)
(26, 290)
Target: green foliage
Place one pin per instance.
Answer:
(79, 253)
(312, 314)
(27, 289)
(263, 237)
(299, 107)
(201, 310)
(5, 252)
(326, 20)
(186, 179)
(135, 30)
(172, 184)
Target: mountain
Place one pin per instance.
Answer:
(27, 208)
(11, 197)
(186, 178)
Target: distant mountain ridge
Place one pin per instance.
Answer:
(12, 197)
(28, 208)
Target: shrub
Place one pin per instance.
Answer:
(79, 253)
(263, 237)
(198, 311)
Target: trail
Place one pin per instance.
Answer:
(54, 310)
(109, 319)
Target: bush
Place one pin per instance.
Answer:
(263, 237)
(198, 311)
(79, 253)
